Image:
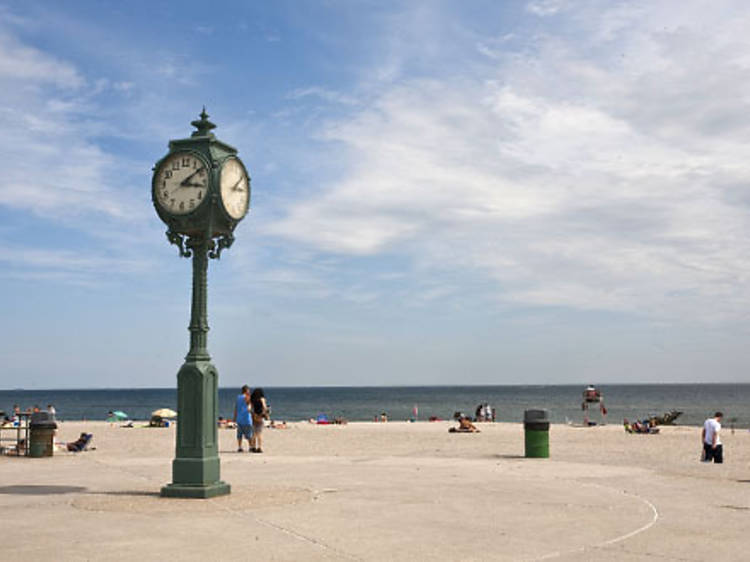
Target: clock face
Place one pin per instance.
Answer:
(181, 183)
(235, 188)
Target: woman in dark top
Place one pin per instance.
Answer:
(259, 411)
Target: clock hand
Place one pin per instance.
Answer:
(183, 184)
(234, 187)
(186, 181)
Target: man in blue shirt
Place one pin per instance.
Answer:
(242, 417)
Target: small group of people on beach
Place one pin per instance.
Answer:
(485, 413)
(645, 426)
(15, 416)
(15, 419)
(711, 446)
(250, 412)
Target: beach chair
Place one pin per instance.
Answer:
(81, 444)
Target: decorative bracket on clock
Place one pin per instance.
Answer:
(222, 243)
(179, 241)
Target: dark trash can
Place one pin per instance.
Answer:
(42, 428)
(536, 433)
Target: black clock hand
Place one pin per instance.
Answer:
(184, 184)
(186, 181)
(234, 187)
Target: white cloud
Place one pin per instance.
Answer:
(82, 268)
(124, 86)
(594, 171)
(544, 7)
(26, 64)
(56, 172)
(322, 93)
(52, 166)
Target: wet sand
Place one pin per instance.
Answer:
(395, 491)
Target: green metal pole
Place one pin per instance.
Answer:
(196, 467)
(199, 306)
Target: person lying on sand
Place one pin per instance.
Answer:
(639, 427)
(464, 426)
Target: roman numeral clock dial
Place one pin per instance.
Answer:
(181, 183)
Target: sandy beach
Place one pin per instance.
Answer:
(394, 491)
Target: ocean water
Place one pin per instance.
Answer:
(697, 401)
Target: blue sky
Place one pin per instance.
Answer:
(443, 192)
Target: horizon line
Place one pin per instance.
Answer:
(672, 383)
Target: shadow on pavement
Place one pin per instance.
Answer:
(40, 490)
(133, 493)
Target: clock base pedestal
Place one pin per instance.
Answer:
(196, 467)
(203, 492)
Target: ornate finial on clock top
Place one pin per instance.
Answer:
(203, 125)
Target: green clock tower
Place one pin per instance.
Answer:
(201, 190)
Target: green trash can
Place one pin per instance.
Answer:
(42, 428)
(536, 434)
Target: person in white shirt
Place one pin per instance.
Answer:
(713, 450)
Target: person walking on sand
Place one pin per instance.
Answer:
(713, 450)
(242, 418)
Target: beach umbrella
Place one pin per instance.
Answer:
(118, 415)
(164, 413)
